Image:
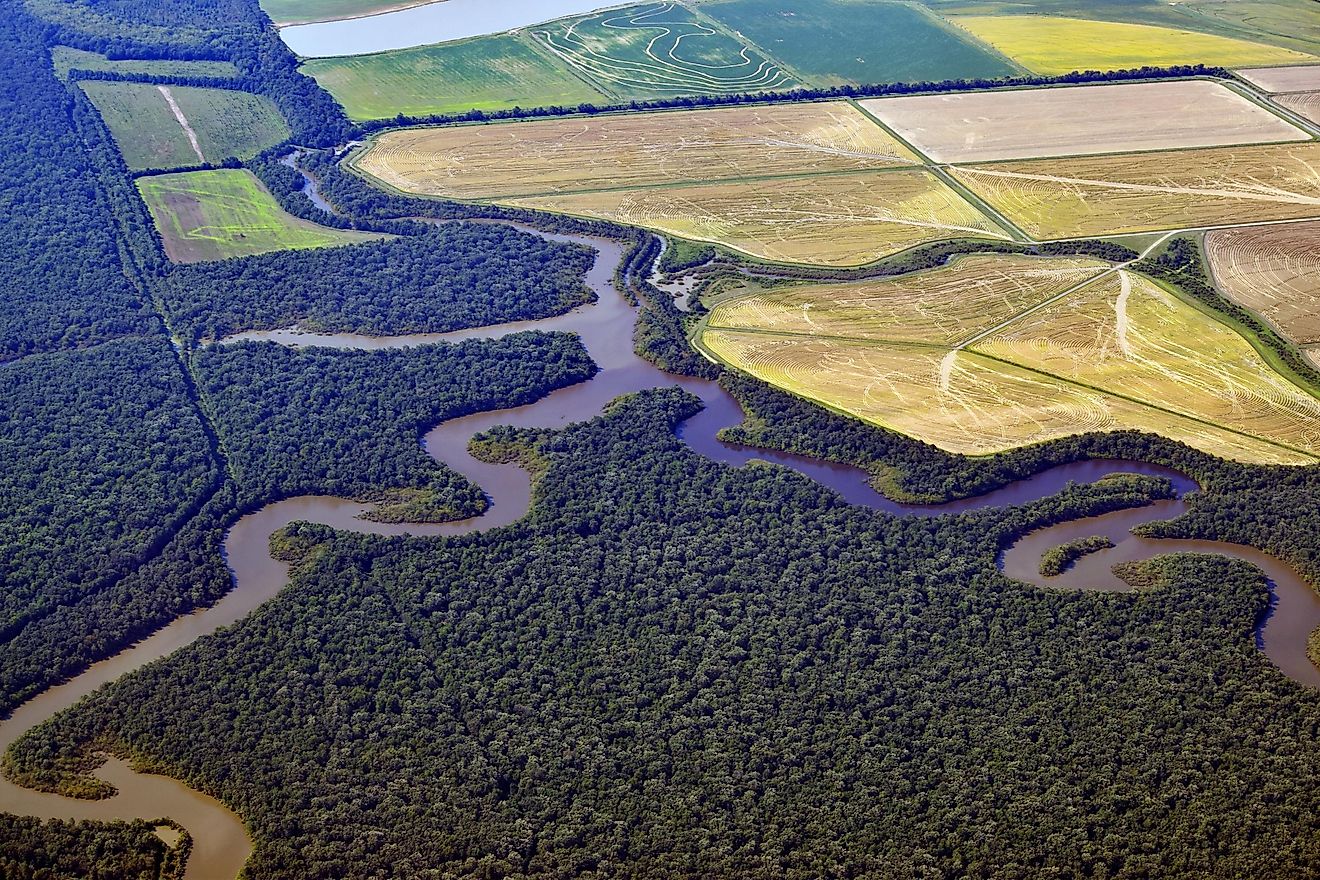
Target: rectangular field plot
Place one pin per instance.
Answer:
(230, 123)
(1035, 123)
(1070, 198)
(1272, 270)
(1304, 78)
(658, 50)
(65, 58)
(943, 306)
(831, 42)
(214, 215)
(1126, 335)
(144, 128)
(486, 73)
(486, 161)
(827, 220)
(1052, 45)
(960, 401)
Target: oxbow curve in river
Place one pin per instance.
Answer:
(221, 845)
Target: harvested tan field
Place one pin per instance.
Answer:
(1304, 78)
(960, 401)
(1273, 270)
(525, 158)
(1126, 335)
(1102, 195)
(829, 220)
(1034, 123)
(943, 305)
(1306, 105)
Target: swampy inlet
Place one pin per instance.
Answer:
(712, 439)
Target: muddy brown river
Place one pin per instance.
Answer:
(221, 844)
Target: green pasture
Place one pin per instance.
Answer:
(486, 73)
(304, 11)
(64, 59)
(215, 215)
(830, 42)
(231, 123)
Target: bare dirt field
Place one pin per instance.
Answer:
(1036, 123)
(1305, 104)
(1305, 78)
(1273, 270)
(1110, 195)
(568, 155)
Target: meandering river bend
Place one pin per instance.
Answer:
(221, 845)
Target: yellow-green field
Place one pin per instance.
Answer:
(611, 152)
(214, 215)
(944, 305)
(1105, 195)
(1053, 45)
(1118, 352)
(827, 220)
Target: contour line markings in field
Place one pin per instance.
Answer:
(1252, 194)
(182, 120)
(1265, 102)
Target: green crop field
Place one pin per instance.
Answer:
(214, 215)
(224, 122)
(284, 12)
(65, 59)
(840, 41)
(487, 73)
(660, 49)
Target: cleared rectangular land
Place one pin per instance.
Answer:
(659, 50)
(1055, 45)
(1272, 270)
(214, 215)
(65, 58)
(488, 161)
(1105, 195)
(1284, 79)
(945, 305)
(230, 123)
(144, 128)
(487, 73)
(1034, 123)
(828, 220)
(831, 42)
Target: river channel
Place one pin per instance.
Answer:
(221, 844)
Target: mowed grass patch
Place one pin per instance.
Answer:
(144, 128)
(832, 42)
(659, 50)
(214, 215)
(1125, 334)
(66, 58)
(945, 305)
(826, 220)
(1272, 270)
(231, 123)
(486, 73)
(505, 160)
(960, 401)
(1035, 123)
(284, 12)
(1106, 195)
(1054, 45)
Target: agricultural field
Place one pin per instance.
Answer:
(960, 401)
(947, 305)
(831, 42)
(1305, 104)
(1057, 45)
(1274, 271)
(286, 12)
(486, 161)
(1276, 80)
(1035, 123)
(162, 127)
(486, 73)
(825, 220)
(1109, 195)
(214, 215)
(65, 58)
(659, 50)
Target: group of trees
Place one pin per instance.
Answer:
(455, 276)
(109, 851)
(677, 669)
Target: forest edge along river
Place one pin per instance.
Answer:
(220, 843)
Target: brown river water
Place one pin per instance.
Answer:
(221, 844)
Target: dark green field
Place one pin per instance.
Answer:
(829, 42)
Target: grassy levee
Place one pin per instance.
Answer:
(215, 215)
